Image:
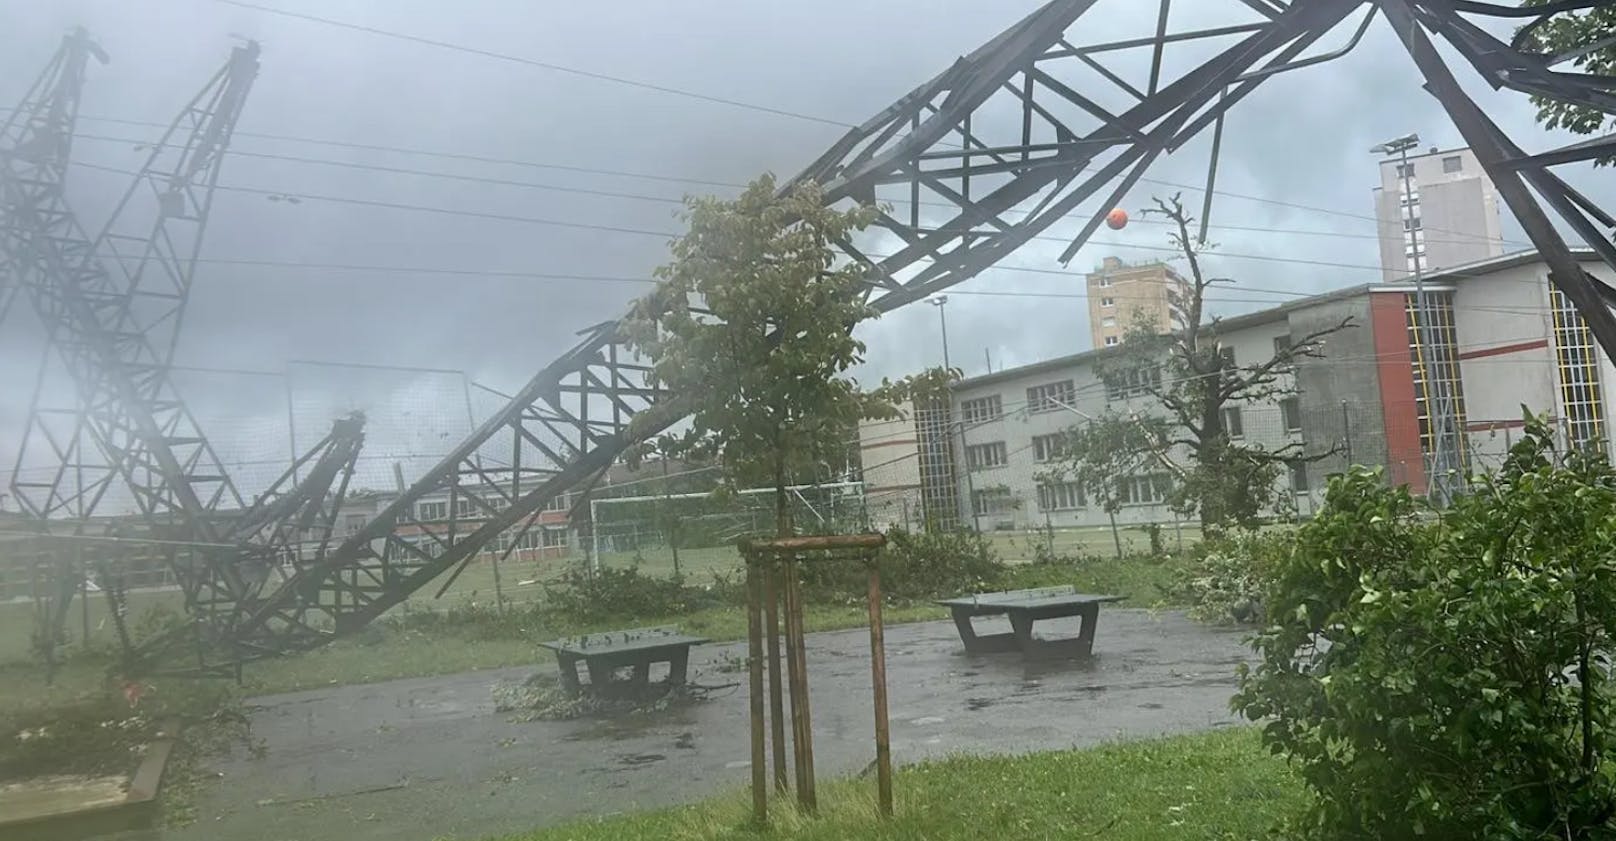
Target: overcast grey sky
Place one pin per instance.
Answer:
(1301, 139)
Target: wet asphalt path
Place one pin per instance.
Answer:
(429, 757)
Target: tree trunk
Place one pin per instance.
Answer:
(782, 514)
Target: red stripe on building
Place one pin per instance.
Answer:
(1500, 350)
(880, 444)
(1405, 461)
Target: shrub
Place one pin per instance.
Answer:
(101, 732)
(914, 566)
(614, 593)
(1227, 581)
(1450, 679)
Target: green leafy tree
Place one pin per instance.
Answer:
(1567, 32)
(751, 327)
(1186, 378)
(1099, 454)
(1450, 679)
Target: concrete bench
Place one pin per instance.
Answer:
(604, 653)
(1023, 608)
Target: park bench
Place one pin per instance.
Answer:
(1024, 607)
(603, 654)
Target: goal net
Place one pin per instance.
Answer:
(695, 533)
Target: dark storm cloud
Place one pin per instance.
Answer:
(1302, 139)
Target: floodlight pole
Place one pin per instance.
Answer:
(1436, 390)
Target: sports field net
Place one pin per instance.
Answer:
(695, 533)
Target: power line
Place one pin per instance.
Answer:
(1464, 236)
(701, 96)
(545, 65)
(507, 182)
(506, 217)
(1259, 295)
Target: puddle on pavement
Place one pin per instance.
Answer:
(979, 703)
(633, 760)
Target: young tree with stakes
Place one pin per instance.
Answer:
(1188, 377)
(752, 324)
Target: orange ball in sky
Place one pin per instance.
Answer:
(1117, 219)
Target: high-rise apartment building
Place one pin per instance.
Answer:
(1450, 207)
(1123, 296)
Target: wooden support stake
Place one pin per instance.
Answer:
(771, 601)
(797, 662)
(754, 647)
(878, 678)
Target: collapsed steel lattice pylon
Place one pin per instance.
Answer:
(111, 306)
(992, 152)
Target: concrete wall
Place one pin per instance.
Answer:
(1458, 210)
(1340, 391)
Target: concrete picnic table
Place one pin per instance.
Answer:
(604, 653)
(1024, 607)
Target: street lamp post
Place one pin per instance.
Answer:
(1436, 389)
(941, 302)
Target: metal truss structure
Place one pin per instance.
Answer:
(111, 306)
(1037, 126)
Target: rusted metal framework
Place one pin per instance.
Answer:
(1038, 126)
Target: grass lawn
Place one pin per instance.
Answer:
(1220, 785)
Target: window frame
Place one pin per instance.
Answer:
(995, 401)
(1237, 430)
(1048, 447)
(1051, 494)
(1288, 407)
(994, 449)
(1037, 396)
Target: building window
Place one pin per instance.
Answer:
(465, 508)
(1233, 424)
(992, 501)
(1298, 470)
(1110, 341)
(1290, 409)
(1578, 367)
(1051, 396)
(353, 523)
(559, 503)
(553, 537)
(1282, 344)
(1048, 447)
(1108, 302)
(1120, 385)
(1453, 164)
(1412, 223)
(1227, 354)
(1405, 170)
(982, 409)
(1422, 264)
(1437, 385)
(983, 456)
(1143, 490)
(1059, 496)
(428, 512)
(1105, 280)
(1108, 321)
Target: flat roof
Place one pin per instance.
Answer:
(1253, 319)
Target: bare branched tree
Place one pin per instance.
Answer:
(1191, 377)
